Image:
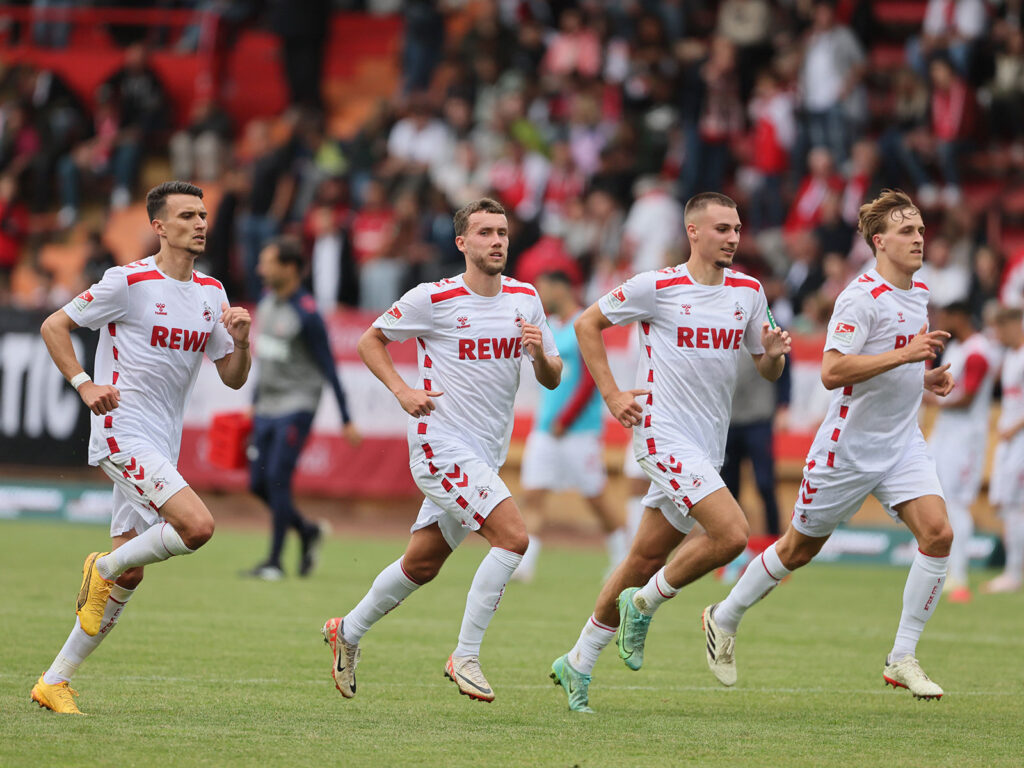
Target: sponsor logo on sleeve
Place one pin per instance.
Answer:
(81, 301)
(843, 333)
(617, 297)
(392, 316)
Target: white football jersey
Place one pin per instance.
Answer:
(470, 348)
(1012, 379)
(964, 430)
(153, 333)
(691, 337)
(868, 424)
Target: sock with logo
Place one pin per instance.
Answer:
(762, 576)
(920, 599)
(153, 545)
(79, 645)
(389, 589)
(483, 598)
(593, 639)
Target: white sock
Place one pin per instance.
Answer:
(963, 527)
(920, 599)
(618, 546)
(593, 639)
(1014, 523)
(634, 514)
(153, 545)
(761, 577)
(483, 598)
(528, 566)
(79, 645)
(654, 593)
(389, 589)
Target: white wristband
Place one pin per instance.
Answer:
(80, 379)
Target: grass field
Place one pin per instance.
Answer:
(206, 668)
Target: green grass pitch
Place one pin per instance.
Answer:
(206, 668)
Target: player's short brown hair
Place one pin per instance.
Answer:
(875, 216)
(701, 201)
(156, 198)
(484, 204)
(1008, 315)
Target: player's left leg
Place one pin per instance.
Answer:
(533, 516)
(926, 518)
(616, 538)
(53, 689)
(962, 523)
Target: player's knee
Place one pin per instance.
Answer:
(937, 542)
(421, 572)
(798, 558)
(645, 564)
(516, 541)
(130, 579)
(198, 532)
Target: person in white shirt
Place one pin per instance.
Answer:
(959, 437)
(874, 364)
(1006, 486)
(157, 318)
(694, 321)
(472, 332)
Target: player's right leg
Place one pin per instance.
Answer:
(1011, 578)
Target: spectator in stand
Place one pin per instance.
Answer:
(653, 227)
(947, 281)
(98, 258)
(906, 126)
(574, 50)
(20, 142)
(588, 134)
(984, 291)
(805, 275)
(92, 156)
(14, 227)
(822, 180)
(373, 226)
(548, 254)
(564, 183)
(199, 151)
(832, 232)
(332, 269)
(862, 182)
(143, 111)
(1006, 90)
(368, 149)
(774, 131)
(518, 178)
(375, 231)
(423, 44)
(747, 24)
(462, 179)
(414, 142)
(831, 94)
(951, 28)
(487, 34)
(303, 29)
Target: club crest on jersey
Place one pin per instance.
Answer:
(461, 322)
(392, 316)
(738, 313)
(519, 319)
(81, 301)
(686, 308)
(483, 491)
(207, 313)
(901, 318)
(843, 333)
(161, 308)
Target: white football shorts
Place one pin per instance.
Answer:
(567, 463)
(144, 480)
(829, 496)
(680, 478)
(959, 466)
(1006, 485)
(460, 494)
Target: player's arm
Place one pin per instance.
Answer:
(374, 353)
(315, 333)
(622, 405)
(233, 368)
(839, 370)
(547, 368)
(777, 345)
(56, 332)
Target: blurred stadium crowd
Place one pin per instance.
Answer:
(591, 121)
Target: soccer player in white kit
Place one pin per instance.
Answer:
(695, 320)
(870, 443)
(472, 332)
(1006, 486)
(959, 437)
(157, 318)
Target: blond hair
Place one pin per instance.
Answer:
(874, 217)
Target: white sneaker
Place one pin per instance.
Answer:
(1001, 584)
(465, 672)
(720, 647)
(907, 673)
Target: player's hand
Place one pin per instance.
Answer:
(776, 342)
(939, 381)
(352, 434)
(926, 345)
(624, 407)
(417, 402)
(237, 321)
(533, 341)
(99, 398)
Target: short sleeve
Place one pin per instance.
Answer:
(105, 302)
(409, 317)
(850, 324)
(633, 300)
(758, 317)
(548, 339)
(220, 343)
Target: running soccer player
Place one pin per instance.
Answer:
(1006, 488)
(870, 443)
(471, 332)
(564, 450)
(294, 360)
(959, 438)
(694, 320)
(158, 317)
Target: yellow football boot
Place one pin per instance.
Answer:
(59, 697)
(92, 597)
